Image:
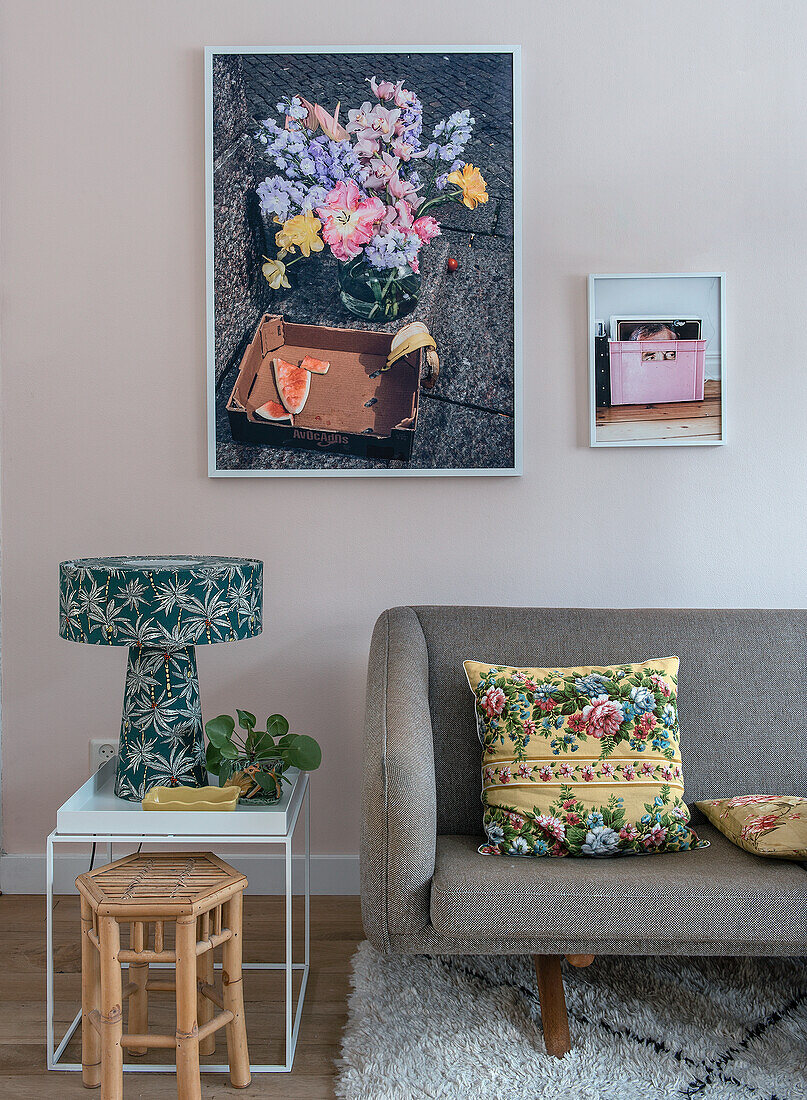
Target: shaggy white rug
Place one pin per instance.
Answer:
(642, 1029)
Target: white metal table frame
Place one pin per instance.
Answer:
(293, 1014)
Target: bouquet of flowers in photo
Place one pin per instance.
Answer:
(365, 190)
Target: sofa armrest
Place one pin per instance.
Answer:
(399, 798)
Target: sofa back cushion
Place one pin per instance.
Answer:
(742, 689)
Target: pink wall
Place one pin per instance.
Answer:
(103, 358)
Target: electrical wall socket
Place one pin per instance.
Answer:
(101, 750)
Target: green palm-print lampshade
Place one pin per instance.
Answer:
(161, 608)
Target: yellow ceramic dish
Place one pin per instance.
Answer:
(191, 798)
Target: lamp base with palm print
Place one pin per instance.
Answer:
(161, 737)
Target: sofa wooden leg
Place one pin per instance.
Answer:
(553, 1004)
(580, 960)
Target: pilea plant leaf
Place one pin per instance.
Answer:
(220, 730)
(304, 753)
(277, 725)
(246, 720)
(213, 758)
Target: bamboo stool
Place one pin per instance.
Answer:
(203, 897)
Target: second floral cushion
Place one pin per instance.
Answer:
(581, 761)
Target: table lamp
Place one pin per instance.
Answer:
(161, 608)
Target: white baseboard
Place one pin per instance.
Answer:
(330, 874)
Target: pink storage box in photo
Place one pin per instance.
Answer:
(654, 381)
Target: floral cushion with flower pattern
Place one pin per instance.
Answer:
(773, 825)
(581, 761)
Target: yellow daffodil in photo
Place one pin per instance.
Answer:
(274, 271)
(301, 231)
(472, 185)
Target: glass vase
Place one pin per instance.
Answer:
(375, 295)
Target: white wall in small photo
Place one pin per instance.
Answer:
(657, 359)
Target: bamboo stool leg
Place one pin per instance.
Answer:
(554, 1018)
(233, 987)
(90, 1001)
(139, 975)
(205, 972)
(111, 1011)
(188, 1082)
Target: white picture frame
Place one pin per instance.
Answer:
(687, 423)
(513, 468)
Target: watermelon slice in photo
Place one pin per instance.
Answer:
(293, 384)
(315, 366)
(273, 410)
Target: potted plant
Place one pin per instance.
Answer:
(255, 760)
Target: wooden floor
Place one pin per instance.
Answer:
(335, 932)
(671, 420)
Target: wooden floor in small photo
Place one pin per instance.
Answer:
(697, 420)
(336, 930)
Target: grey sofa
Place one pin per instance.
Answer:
(426, 890)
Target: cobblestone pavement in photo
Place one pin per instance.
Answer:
(467, 420)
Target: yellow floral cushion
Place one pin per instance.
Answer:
(766, 824)
(581, 761)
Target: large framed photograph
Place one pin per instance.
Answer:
(657, 360)
(363, 283)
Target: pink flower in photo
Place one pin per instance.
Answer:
(576, 723)
(677, 771)
(530, 685)
(505, 775)
(666, 774)
(546, 705)
(545, 773)
(402, 149)
(529, 727)
(348, 220)
(427, 229)
(628, 772)
(493, 702)
(383, 89)
(516, 821)
(573, 819)
(566, 769)
(377, 123)
(606, 769)
(403, 189)
(488, 774)
(402, 97)
(603, 717)
(587, 772)
(524, 770)
(366, 149)
(489, 850)
(647, 768)
(331, 126)
(628, 832)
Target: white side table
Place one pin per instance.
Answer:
(94, 815)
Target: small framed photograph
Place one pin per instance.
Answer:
(657, 360)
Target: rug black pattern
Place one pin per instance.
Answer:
(709, 1029)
